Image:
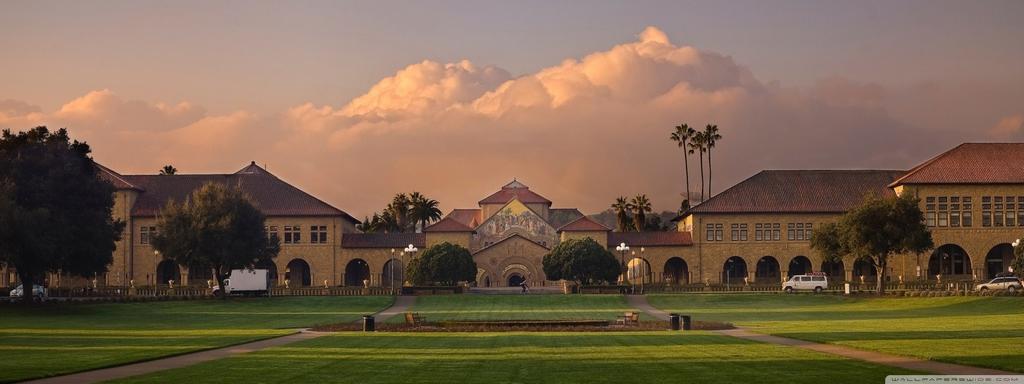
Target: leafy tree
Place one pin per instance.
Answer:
(622, 209)
(682, 136)
(55, 209)
(168, 170)
(442, 264)
(215, 228)
(423, 210)
(583, 261)
(1018, 260)
(875, 230)
(711, 137)
(684, 206)
(641, 206)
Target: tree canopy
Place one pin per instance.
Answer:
(55, 209)
(216, 228)
(583, 261)
(875, 230)
(442, 264)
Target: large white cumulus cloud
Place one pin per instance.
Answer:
(580, 132)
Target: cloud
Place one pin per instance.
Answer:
(1009, 128)
(580, 132)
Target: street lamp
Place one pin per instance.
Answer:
(622, 248)
(411, 250)
(392, 271)
(643, 270)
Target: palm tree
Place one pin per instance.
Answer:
(168, 170)
(424, 210)
(370, 225)
(399, 211)
(697, 144)
(641, 205)
(711, 136)
(622, 208)
(682, 136)
(389, 222)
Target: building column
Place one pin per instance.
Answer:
(848, 273)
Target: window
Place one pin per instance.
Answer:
(292, 234)
(965, 219)
(776, 232)
(146, 234)
(318, 234)
(711, 232)
(808, 231)
(718, 232)
(930, 218)
(735, 233)
(954, 219)
(943, 219)
(271, 233)
(791, 231)
(743, 232)
(986, 218)
(800, 231)
(758, 233)
(949, 211)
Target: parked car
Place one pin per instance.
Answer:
(1008, 283)
(816, 282)
(38, 291)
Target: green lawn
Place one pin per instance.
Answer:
(520, 307)
(585, 357)
(63, 338)
(980, 331)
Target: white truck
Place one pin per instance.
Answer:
(246, 282)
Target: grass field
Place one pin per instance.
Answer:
(620, 357)
(56, 339)
(520, 307)
(980, 331)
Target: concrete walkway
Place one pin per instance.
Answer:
(920, 365)
(401, 305)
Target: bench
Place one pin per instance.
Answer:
(629, 318)
(413, 318)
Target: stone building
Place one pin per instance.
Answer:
(755, 232)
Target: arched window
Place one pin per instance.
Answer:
(734, 270)
(767, 270)
(356, 271)
(297, 273)
(676, 271)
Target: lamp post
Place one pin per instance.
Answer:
(411, 250)
(622, 248)
(392, 271)
(643, 270)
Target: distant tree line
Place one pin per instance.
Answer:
(405, 213)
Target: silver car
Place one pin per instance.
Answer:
(38, 291)
(1009, 284)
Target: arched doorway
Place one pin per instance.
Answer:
(167, 270)
(200, 275)
(767, 270)
(800, 265)
(638, 271)
(393, 272)
(297, 273)
(356, 271)
(515, 279)
(676, 271)
(835, 270)
(950, 261)
(734, 270)
(864, 268)
(271, 270)
(998, 260)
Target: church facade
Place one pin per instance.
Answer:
(755, 232)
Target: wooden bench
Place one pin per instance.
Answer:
(629, 318)
(413, 318)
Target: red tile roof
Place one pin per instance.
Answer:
(448, 224)
(583, 224)
(649, 239)
(383, 240)
(971, 163)
(114, 178)
(506, 238)
(468, 217)
(271, 195)
(559, 217)
(515, 190)
(800, 191)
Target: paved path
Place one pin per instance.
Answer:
(401, 304)
(935, 367)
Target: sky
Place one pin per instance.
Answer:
(356, 101)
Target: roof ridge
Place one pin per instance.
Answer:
(584, 217)
(921, 166)
(503, 239)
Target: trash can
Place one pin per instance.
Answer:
(367, 323)
(673, 321)
(687, 325)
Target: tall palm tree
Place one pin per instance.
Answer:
(682, 136)
(622, 208)
(399, 210)
(711, 136)
(698, 144)
(168, 170)
(641, 206)
(389, 223)
(424, 210)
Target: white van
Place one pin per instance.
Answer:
(814, 281)
(246, 282)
